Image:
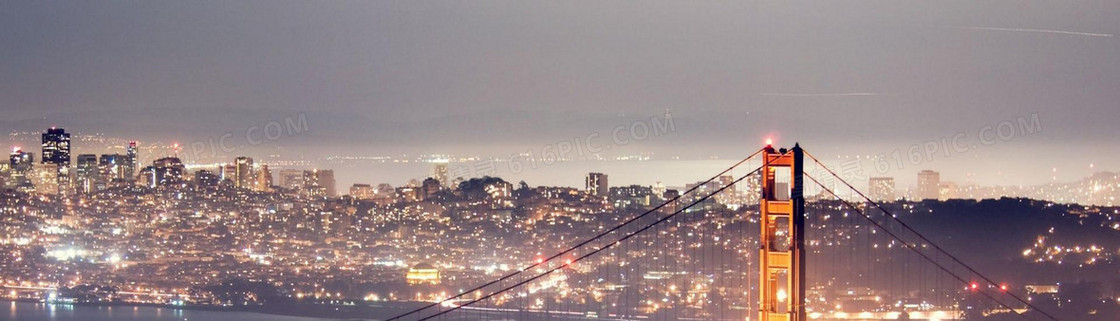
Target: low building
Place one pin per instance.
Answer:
(422, 273)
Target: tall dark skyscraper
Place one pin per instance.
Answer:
(56, 147)
(56, 151)
(131, 162)
(87, 173)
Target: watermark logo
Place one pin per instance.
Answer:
(254, 135)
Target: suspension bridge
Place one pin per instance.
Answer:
(786, 260)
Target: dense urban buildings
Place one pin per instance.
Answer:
(173, 235)
(560, 160)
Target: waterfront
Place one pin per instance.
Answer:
(28, 311)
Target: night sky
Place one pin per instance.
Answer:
(846, 77)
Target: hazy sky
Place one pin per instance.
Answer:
(868, 76)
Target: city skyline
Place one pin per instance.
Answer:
(115, 73)
(560, 160)
(93, 173)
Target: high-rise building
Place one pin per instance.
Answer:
(20, 165)
(44, 180)
(165, 171)
(325, 179)
(291, 179)
(263, 181)
(243, 173)
(56, 151)
(929, 185)
(439, 172)
(111, 169)
(596, 184)
(87, 172)
(229, 172)
(319, 183)
(729, 195)
(881, 189)
(21, 161)
(56, 147)
(131, 162)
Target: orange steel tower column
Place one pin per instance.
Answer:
(782, 239)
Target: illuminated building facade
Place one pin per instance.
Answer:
(881, 189)
(929, 185)
(87, 173)
(439, 172)
(56, 151)
(361, 191)
(243, 172)
(596, 184)
(422, 273)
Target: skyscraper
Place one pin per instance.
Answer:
(111, 167)
(228, 172)
(243, 174)
(881, 189)
(21, 161)
(439, 172)
(263, 181)
(164, 172)
(929, 185)
(596, 184)
(131, 163)
(56, 151)
(87, 171)
(325, 178)
(20, 165)
(56, 147)
(319, 183)
(729, 195)
(291, 179)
